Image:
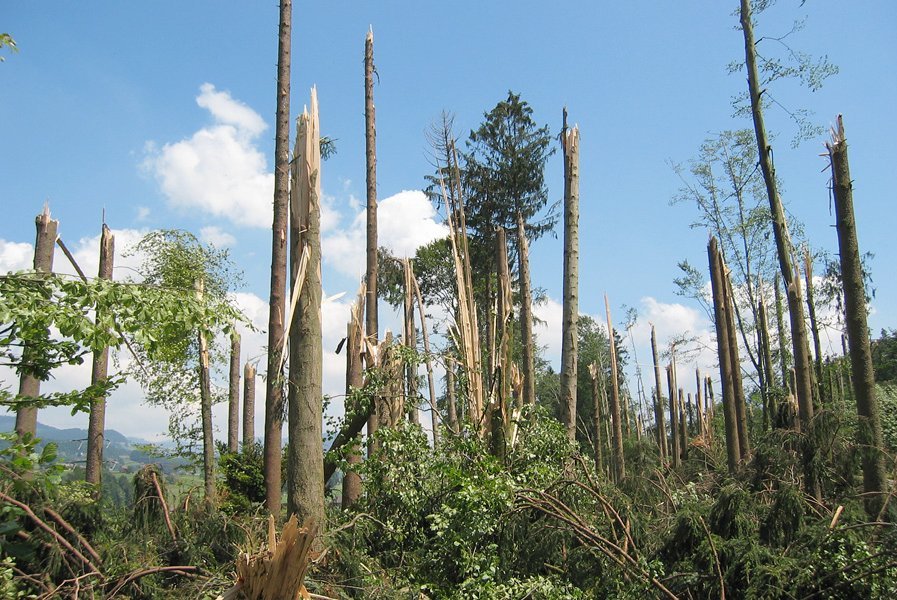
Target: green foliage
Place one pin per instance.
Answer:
(34, 304)
(884, 356)
(242, 487)
(7, 41)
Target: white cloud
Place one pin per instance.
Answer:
(143, 213)
(216, 236)
(405, 222)
(15, 256)
(219, 169)
(229, 111)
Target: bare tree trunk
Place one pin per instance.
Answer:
(29, 385)
(248, 404)
(370, 137)
(782, 332)
(744, 446)
(674, 416)
(683, 424)
(100, 370)
(205, 399)
(274, 399)
(700, 414)
(502, 375)
(354, 381)
(526, 314)
(804, 389)
(659, 421)
(305, 458)
(766, 353)
(708, 395)
(570, 332)
(594, 374)
(720, 308)
(869, 435)
(233, 396)
(814, 324)
(619, 461)
(452, 408)
(410, 338)
(428, 359)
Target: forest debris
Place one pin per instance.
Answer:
(277, 571)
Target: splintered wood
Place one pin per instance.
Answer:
(277, 572)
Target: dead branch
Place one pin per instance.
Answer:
(40, 523)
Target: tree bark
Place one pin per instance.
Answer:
(766, 352)
(274, 398)
(594, 373)
(569, 331)
(674, 417)
(502, 364)
(452, 408)
(29, 385)
(370, 137)
(526, 314)
(305, 458)
(410, 338)
(720, 308)
(869, 434)
(700, 414)
(233, 396)
(205, 399)
(99, 371)
(782, 332)
(354, 381)
(248, 404)
(659, 420)
(814, 323)
(619, 460)
(744, 447)
(428, 359)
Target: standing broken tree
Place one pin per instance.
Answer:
(569, 331)
(869, 436)
(305, 457)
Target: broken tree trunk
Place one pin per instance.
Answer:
(305, 457)
(869, 436)
(501, 377)
(452, 408)
(205, 400)
(744, 447)
(99, 371)
(410, 339)
(29, 385)
(594, 374)
(720, 307)
(526, 314)
(354, 382)
(675, 451)
(814, 323)
(569, 331)
(249, 374)
(616, 416)
(233, 395)
(659, 420)
(428, 358)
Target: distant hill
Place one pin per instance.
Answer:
(121, 454)
(49, 433)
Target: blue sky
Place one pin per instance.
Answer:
(106, 100)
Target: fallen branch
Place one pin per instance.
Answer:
(133, 576)
(65, 525)
(40, 523)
